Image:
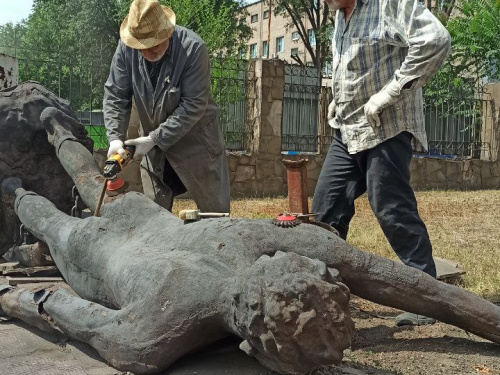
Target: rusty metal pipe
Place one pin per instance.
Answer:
(296, 176)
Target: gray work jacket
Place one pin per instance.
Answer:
(180, 115)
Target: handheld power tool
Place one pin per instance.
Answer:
(113, 185)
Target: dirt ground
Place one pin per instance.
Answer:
(381, 348)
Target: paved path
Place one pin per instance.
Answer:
(27, 351)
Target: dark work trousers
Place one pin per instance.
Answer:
(384, 174)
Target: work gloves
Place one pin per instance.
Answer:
(377, 103)
(116, 147)
(331, 112)
(142, 146)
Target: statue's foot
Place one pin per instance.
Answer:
(411, 319)
(58, 125)
(10, 185)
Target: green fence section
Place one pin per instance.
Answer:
(98, 135)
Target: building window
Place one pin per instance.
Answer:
(264, 48)
(265, 15)
(253, 51)
(254, 18)
(312, 37)
(242, 52)
(295, 35)
(294, 52)
(327, 69)
(280, 45)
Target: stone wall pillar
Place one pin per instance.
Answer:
(9, 71)
(269, 76)
(490, 131)
(260, 171)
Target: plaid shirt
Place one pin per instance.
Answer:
(384, 43)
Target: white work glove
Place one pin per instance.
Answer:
(331, 112)
(116, 147)
(142, 146)
(377, 104)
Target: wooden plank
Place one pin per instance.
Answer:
(447, 269)
(13, 281)
(8, 266)
(47, 271)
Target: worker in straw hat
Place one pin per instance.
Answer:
(165, 68)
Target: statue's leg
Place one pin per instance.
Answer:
(45, 221)
(106, 330)
(388, 283)
(74, 157)
(25, 305)
(83, 169)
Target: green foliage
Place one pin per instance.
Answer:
(319, 17)
(475, 50)
(220, 23)
(68, 45)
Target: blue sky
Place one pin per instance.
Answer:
(14, 10)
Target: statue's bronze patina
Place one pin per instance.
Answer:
(152, 288)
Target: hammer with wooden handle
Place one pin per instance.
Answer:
(192, 215)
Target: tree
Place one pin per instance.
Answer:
(475, 53)
(68, 45)
(220, 23)
(316, 12)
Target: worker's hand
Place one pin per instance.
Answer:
(116, 147)
(377, 104)
(142, 146)
(331, 111)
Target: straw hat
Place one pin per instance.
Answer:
(147, 24)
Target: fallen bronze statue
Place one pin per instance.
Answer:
(151, 288)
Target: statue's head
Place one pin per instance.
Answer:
(294, 312)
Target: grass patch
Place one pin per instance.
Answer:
(463, 226)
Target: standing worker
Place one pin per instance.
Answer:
(165, 68)
(384, 51)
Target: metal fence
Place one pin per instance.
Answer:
(230, 87)
(80, 80)
(303, 109)
(454, 126)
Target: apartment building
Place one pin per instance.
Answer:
(271, 38)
